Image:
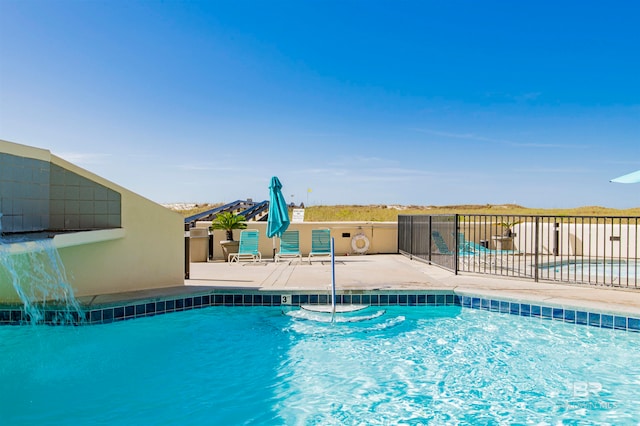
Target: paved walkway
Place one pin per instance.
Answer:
(397, 272)
(383, 273)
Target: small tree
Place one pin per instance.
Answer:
(228, 221)
(508, 231)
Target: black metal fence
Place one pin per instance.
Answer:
(575, 249)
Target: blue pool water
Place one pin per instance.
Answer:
(585, 269)
(410, 365)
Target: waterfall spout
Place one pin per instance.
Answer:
(38, 276)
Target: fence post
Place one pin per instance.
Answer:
(429, 236)
(455, 244)
(535, 248)
(187, 254)
(211, 245)
(411, 237)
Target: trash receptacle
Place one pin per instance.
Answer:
(199, 244)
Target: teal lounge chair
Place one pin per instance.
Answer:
(473, 253)
(464, 253)
(248, 249)
(465, 248)
(320, 243)
(469, 247)
(441, 245)
(289, 246)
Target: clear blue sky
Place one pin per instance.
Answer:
(363, 102)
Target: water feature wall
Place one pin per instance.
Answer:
(84, 232)
(38, 198)
(36, 195)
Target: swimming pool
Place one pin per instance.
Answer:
(603, 270)
(235, 365)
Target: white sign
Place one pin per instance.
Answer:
(285, 299)
(298, 216)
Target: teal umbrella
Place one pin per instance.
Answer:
(278, 220)
(630, 178)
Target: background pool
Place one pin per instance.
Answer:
(586, 269)
(259, 366)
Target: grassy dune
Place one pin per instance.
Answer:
(390, 213)
(382, 213)
(197, 209)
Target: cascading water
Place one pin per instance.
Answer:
(37, 274)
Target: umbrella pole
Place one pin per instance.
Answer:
(273, 239)
(333, 281)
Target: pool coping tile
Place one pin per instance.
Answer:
(13, 315)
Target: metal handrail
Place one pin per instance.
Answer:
(233, 206)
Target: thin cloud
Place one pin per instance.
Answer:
(448, 134)
(380, 174)
(467, 136)
(203, 167)
(531, 96)
(472, 136)
(372, 160)
(555, 170)
(360, 160)
(623, 162)
(363, 169)
(406, 172)
(324, 171)
(547, 145)
(522, 97)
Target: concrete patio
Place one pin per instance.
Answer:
(397, 272)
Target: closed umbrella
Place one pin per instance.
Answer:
(278, 220)
(629, 178)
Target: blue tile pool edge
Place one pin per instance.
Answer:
(126, 310)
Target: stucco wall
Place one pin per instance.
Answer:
(382, 236)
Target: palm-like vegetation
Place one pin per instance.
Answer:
(228, 221)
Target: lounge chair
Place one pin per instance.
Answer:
(471, 253)
(469, 247)
(465, 248)
(320, 243)
(248, 248)
(289, 246)
(441, 245)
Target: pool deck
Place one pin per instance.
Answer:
(389, 273)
